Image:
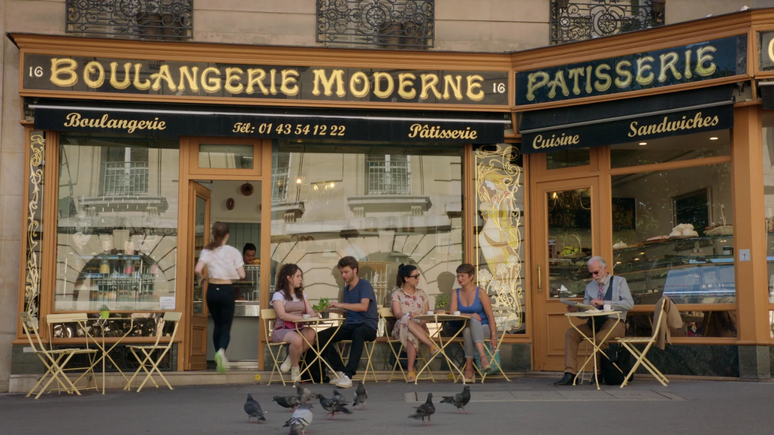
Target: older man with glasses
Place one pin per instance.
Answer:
(604, 288)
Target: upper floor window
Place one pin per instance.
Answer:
(125, 171)
(388, 174)
(577, 21)
(385, 23)
(141, 19)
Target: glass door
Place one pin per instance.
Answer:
(199, 227)
(566, 233)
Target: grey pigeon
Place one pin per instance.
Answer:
(304, 394)
(425, 410)
(360, 396)
(253, 409)
(338, 397)
(459, 400)
(332, 406)
(289, 402)
(302, 417)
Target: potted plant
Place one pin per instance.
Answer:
(322, 307)
(442, 303)
(104, 311)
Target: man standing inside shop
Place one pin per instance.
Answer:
(359, 301)
(248, 253)
(603, 289)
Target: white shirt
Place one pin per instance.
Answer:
(222, 262)
(280, 296)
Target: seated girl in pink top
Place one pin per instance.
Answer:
(290, 304)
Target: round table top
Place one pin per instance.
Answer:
(320, 320)
(592, 313)
(440, 317)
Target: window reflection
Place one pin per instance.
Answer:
(117, 223)
(695, 324)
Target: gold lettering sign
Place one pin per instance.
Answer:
(425, 131)
(666, 125)
(75, 119)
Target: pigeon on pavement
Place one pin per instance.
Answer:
(459, 400)
(253, 409)
(332, 406)
(302, 417)
(425, 410)
(338, 397)
(304, 394)
(360, 396)
(289, 402)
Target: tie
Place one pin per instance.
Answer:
(601, 291)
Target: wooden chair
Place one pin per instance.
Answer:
(268, 317)
(629, 342)
(386, 313)
(147, 359)
(53, 359)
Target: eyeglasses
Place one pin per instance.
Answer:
(596, 272)
(415, 276)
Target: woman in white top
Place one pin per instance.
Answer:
(224, 265)
(291, 304)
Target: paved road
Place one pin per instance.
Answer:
(524, 406)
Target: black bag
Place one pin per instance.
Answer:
(608, 371)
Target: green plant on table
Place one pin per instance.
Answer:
(322, 305)
(442, 301)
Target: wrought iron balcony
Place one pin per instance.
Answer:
(125, 179)
(141, 19)
(576, 21)
(383, 23)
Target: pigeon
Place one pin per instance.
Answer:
(339, 398)
(304, 394)
(459, 400)
(425, 410)
(360, 396)
(332, 406)
(302, 417)
(253, 409)
(289, 402)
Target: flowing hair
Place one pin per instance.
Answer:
(283, 285)
(219, 232)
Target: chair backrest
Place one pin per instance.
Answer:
(170, 316)
(268, 316)
(30, 325)
(386, 312)
(79, 318)
(657, 315)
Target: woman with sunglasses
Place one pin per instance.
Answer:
(473, 302)
(409, 301)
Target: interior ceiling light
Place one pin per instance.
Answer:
(714, 138)
(643, 143)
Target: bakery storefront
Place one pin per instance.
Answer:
(646, 151)
(136, 148)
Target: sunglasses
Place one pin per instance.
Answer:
(596, 272)
(415, 276)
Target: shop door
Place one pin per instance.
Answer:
(565, 232)
(199, 227)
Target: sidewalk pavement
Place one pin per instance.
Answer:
(530, 405)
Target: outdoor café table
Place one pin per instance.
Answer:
(315, 323)
(440, 319)
(101, 343)
(593, 339)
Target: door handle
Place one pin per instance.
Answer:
(540, 279)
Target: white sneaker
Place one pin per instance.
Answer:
(335, 377)
(294, 374)
(285, 367)
(344, 382)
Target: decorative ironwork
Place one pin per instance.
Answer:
(581, 21)
(498, 244)
(144, 19)
(386, 23)
(34, 222)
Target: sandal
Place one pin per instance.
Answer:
(412, 375)
(471, 379)
(486, 366)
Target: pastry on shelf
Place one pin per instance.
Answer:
(656, 239)
(620, 245)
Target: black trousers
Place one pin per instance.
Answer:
(358, 333)
(220, 302)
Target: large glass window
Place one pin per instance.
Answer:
(117, 223)
(383, 205)
(673, 229)
(671, 149)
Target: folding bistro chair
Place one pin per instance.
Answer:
(146, 360)
(629, 342)
(54, 359)
(490, 353)
(368, 347)
(268, 317)
(81, 320)
(386, 313)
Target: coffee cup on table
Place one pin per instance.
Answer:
(608, 306)
(430, 313)
(457, 313)
(306, 316)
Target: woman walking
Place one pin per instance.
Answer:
(473, 302)
(224, 265)
(408, 301)
(291, 305)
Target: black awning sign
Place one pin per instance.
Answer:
(180, 123)
(629, 130)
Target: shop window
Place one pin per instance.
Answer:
(673, 234)
(695, 324)
(768, 195)
(671, 149)
(568, 158)
(117, 223)
(330, 212)
(280, 177)
(388, 174)
(217, 156)
(499, 240)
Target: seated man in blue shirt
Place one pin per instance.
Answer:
(362, 319)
